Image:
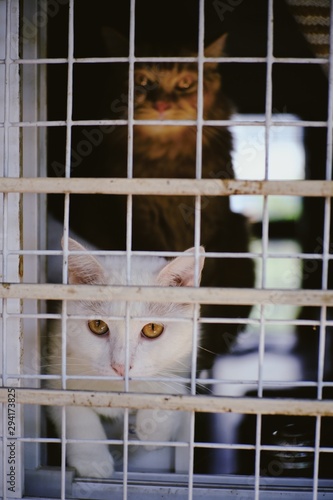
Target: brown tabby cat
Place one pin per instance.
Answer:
(168, 91)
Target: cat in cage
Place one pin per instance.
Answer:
(159, 345)
(168, 91)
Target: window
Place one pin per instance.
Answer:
(257, 419)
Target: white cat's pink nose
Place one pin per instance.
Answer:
(162, 106)
(119, 369)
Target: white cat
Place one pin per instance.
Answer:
(96, 346)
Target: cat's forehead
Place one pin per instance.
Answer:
(142, 271)
(121, 309)
(139, 271)
(166, 71)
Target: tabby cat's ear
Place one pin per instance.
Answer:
(116, 44)
(216, 49)
(181, 270)
(83, 269)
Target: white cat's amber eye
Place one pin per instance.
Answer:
(152, 330)
(98, 327)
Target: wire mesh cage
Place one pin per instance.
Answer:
(166, 252)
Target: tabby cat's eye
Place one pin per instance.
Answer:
(152, 330)
(98, 327)
(142, 80)
(185, 83)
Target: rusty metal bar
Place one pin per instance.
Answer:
(181, 187)
(214, 404)
(161, 294)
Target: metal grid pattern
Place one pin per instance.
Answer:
(16, 291)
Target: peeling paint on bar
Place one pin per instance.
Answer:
(213, 404)
(183, 187)
(161, 294)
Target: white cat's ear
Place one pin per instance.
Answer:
(83, 269)
(216, 49)
(116, 44)
(181, 270)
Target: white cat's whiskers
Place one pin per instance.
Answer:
(206, 350)
(174, 383)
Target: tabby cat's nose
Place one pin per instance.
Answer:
(162, 106)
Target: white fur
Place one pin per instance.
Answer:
(87, 354)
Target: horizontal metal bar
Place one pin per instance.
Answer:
(207, 295)
(181, 187)
(267, 384)
(178, 444)
(217, 255)
(222, 59)
(212, 404)
(209, 123)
